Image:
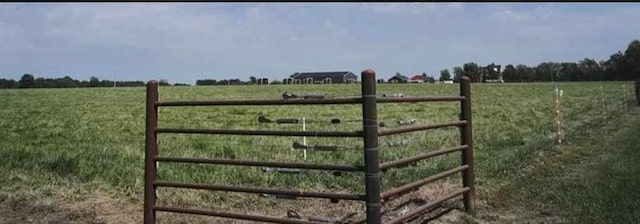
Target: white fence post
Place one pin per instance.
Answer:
(304, 138)
(559, 134)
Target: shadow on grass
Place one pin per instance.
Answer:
(595, 180)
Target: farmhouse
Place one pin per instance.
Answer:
(417, 79)
(398, 79)
(325, 77)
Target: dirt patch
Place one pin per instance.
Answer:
(32, 212)
(100, 207)
(342, 211)
(96, 207)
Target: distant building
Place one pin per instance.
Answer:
(398, 79)
(447, 81)
(325, 77)
(491, 73)
(417, 79)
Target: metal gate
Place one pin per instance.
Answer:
(373, 196)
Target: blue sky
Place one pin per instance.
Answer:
(189, 41)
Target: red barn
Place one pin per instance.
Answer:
(417, 79)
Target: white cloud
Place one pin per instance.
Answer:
(144, 25)
(328, 23)
(400, 8)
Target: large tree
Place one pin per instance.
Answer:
(590, 70)
(547, 71)
(472, 70)
(509, 74)
(458, 72)
(614, 67)
(632, 60)
(525, 73)
(94, 81)
(27, 81)
(445, 75)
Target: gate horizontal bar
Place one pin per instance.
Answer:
(261, 163)
(401, 130)
(260, 190)
(262, 132)
(423, 156)
(432, 204)
(416, 184)
(420, 99)
(351, 100)
(258, 218)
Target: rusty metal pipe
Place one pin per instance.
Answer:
(419, 128)
(466, 138)
(421, 99)
(151, 151)
(259, 190)
(423, 156)
(262, 163)
(416, 184)
(257, 218)
(351, 100)
(370, 138)
(351, 134)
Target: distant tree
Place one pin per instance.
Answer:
(430, 79)
(181, 84)
(8, 84)
(613, 68)
(27, 81)
(509, 74)
(632, 61)
(473, 71)
(253, 80)
(206, 82)
(590, 70)
(458, 72)
(164, 82)
(547, 71)
(106, 83)
(94, 81)
(445, 75)
(569, 71)
(276, 82)
(67, 82)
(525, 73)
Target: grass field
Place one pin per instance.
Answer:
(77, 140)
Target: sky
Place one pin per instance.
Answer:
(184, 42)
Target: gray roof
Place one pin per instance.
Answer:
(401, 77)
(303, 75)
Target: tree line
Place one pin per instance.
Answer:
(29, 81)
(620, 66)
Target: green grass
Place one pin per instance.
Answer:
(592, 180)
(74, 138)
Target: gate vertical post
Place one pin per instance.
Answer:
(151, 151)
(370, 137)
(466, 138)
